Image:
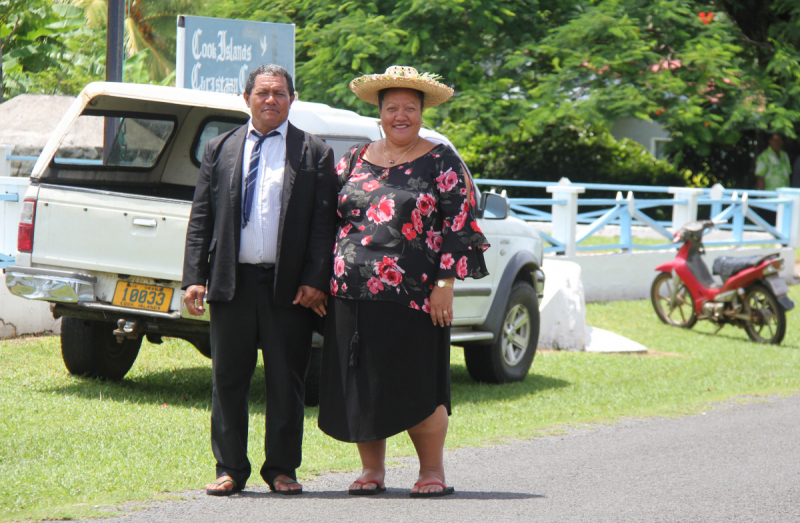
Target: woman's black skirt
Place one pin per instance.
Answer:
(390, 379)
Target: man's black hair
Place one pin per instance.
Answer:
(268, 70)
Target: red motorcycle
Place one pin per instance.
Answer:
(752, 294)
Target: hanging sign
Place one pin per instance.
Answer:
(217, 54)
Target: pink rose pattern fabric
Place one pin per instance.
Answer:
(402, 228)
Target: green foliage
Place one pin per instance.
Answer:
(57, 48)
(527, 71)
(149, 34)
(575, 150)
(137, 69)
(47, 48)
(707, 83)
(476, 46)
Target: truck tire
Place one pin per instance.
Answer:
(510, 357)
(89, 348)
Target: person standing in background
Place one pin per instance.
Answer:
(773, 168)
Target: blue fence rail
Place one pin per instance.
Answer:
(567, 208)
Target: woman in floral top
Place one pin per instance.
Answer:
(407, 230)
(403, 228)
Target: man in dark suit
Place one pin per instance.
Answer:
(258, 247)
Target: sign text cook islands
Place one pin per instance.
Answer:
(215, 54)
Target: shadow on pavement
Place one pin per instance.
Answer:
(392, 494)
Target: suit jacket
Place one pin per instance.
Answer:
(306, 226)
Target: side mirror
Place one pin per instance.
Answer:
(495, 206)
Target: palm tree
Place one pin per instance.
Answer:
(149, 28)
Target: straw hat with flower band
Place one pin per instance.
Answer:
(366, 87)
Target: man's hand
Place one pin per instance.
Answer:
(193, 299)
(312, 298)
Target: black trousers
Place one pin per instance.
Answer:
(238, 329)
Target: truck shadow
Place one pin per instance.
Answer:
(190, 387)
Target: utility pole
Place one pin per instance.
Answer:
(114, 42)
(114, 59)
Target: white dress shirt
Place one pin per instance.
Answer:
(259, 240)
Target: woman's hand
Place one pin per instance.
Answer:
(441, 301)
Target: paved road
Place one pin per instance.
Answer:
(735, 463)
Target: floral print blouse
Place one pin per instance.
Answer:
(404, 227)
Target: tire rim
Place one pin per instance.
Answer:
(516, 334)
(762, 315)
(674, 301)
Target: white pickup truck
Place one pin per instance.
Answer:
(102, 230)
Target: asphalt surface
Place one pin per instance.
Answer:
(733, 463)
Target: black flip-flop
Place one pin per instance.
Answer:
(367, 491)
(446, 491)
(289, 492)
(217, 492)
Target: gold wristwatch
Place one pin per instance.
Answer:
(442, 284)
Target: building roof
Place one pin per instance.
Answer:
(27, 120)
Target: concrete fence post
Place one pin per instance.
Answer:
(5, 163)
(716, 193)
(565, 217)
(738, 217)
(788, 220)
(684, 213)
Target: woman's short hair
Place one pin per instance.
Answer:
(383, 92)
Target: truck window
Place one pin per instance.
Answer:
(211, 129)
(340, 144)
(117, 141)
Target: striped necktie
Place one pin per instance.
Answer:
(252, 174)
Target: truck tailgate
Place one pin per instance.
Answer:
(111, 232)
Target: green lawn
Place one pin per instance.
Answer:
(70, 444)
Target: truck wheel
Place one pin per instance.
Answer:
(510, 357)
(314, 370)
(89, 348)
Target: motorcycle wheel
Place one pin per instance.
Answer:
(768, 319)
(672, 301)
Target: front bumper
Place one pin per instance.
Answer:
(50, 285)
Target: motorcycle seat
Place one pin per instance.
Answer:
(727, 266)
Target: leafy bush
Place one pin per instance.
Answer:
(574, 150)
